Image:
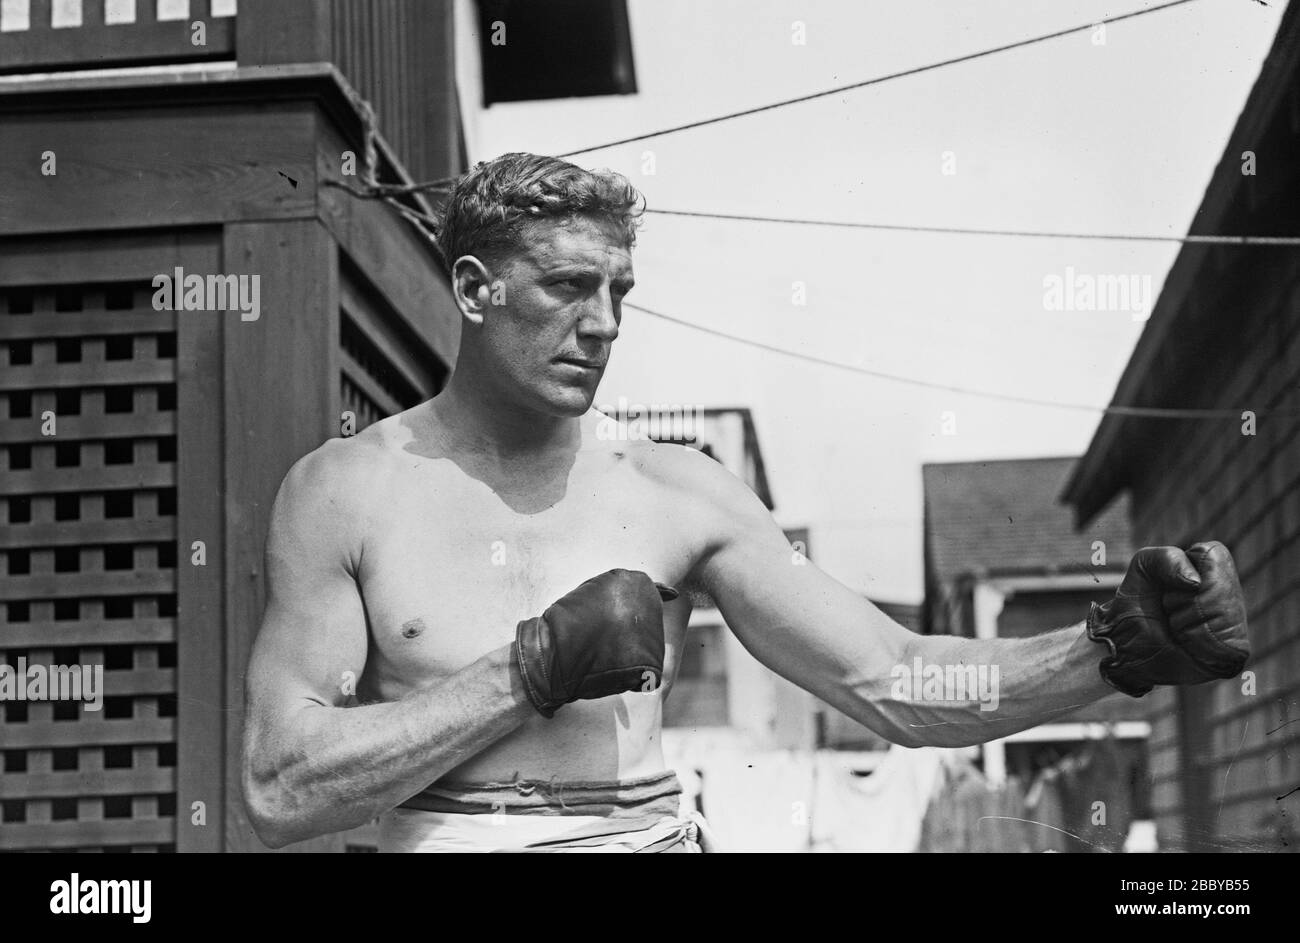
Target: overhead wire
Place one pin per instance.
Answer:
(371, 188)
(445, 183)
(1149, 412)
(1190, 239)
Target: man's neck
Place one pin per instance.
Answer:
(472, 420)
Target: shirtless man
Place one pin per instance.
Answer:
(401, 672)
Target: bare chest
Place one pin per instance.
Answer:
(450, 565)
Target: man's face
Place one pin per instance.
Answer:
(549, 341)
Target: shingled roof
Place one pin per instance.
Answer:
(1003, 518)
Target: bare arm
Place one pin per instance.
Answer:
(817, 633)
(311, 764)
(1036, 679)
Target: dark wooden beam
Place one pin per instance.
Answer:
(281, 378)
(201, 624)
(98, 47)
(138, 168)
(127, 256)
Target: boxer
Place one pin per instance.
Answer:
(473, 618)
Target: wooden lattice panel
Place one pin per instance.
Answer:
(88, 557)
(381, 375)
(359, 386)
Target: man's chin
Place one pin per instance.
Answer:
(569, 402)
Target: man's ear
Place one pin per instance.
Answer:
(471, 286)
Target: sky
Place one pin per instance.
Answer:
(1074, 135)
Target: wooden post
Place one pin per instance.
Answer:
(281, 377)
(200, 667)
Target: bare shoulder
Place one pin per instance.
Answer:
(329, 475)
(327, 494)
(696, 481)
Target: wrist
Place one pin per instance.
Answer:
(1101, 627)
(503, 663)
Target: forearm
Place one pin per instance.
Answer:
(1177, 618)
(330, 768)
(949, 691)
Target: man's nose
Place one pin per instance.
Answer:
(599, 319)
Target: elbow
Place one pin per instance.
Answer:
(275, 823)
(904, 732)
(901, 723)
(949, 734)
(271, 822)
(905, 738)
(952, 740)
(276, 819)
(271, 835)
(914, 729)
(272, 831)
(870, 702)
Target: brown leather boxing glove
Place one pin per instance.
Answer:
(605, 637)
(1176, 619)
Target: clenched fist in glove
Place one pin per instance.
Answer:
(605, 637)
(1176, 619)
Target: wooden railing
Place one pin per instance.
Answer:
(58, 35)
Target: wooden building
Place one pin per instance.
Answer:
(1225, 335)
(142, 448)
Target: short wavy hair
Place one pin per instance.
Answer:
(490, 208)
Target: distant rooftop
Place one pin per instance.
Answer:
(1003, 518)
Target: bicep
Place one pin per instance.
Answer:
(794, 618)
(311, 649)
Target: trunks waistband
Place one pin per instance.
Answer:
(643, 797)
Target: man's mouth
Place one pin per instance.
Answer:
(594, 365)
